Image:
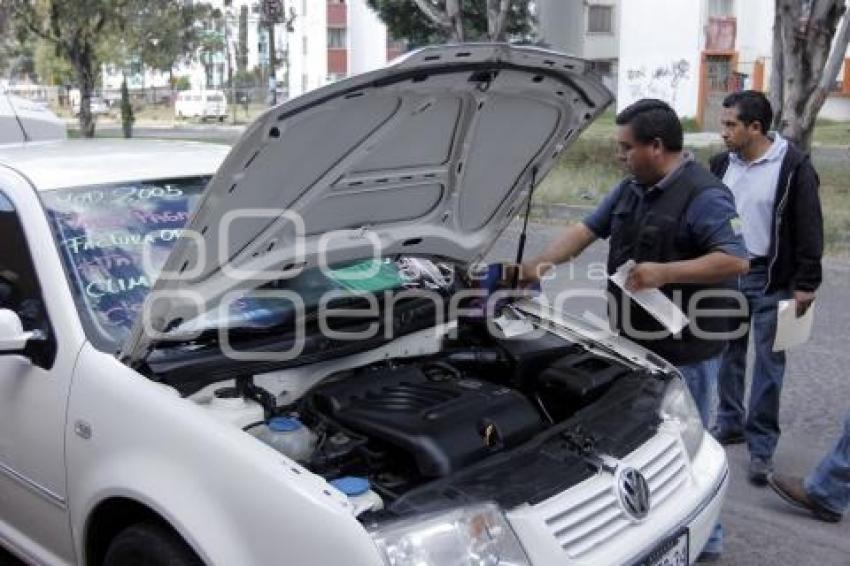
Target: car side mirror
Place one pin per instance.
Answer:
(13, 338)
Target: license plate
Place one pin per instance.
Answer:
(671, 552)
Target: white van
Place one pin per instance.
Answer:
(201, 104)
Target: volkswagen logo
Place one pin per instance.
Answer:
(634, 493)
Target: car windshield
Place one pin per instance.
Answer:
(102, 233)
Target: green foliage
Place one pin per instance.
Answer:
(405, 20)
(50, 67)
(181, 82)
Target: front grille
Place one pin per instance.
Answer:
(589, 515)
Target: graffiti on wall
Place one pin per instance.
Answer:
(661, 82)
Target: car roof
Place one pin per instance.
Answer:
(87, 162)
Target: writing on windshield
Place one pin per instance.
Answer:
(102, 232)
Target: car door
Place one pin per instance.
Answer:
(34, 385)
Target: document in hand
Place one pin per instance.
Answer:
(790, 330)
(653, 301)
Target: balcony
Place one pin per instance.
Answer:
(337, 15)
(720, 34)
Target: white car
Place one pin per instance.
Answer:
(97, 106)
(292, 363)
(201, 104)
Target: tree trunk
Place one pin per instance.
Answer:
(777, 74)
(809, 63)
(455, 15)
(497, 19)
(81, 59)
(450, 20)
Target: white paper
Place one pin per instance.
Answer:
(653, 301)
(790, 330)
(512, 327)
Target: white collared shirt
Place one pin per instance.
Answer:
(754, 187)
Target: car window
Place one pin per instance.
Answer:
(101, 232)
(19, 287)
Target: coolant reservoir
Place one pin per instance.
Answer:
(361, 497)
(228, 405)
(289, 437)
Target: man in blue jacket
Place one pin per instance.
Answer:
(776, 195)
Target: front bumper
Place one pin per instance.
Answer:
(586, 524)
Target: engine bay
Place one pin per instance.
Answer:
(426, 430)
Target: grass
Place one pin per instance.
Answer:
(828, 132)
(589, 169)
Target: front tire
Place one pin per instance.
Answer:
(146, 544)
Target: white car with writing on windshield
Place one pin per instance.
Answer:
(288, 352)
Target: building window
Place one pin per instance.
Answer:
(336, 38)
(603, 68)
(600, 19)
(720, 9)
(304, 82)
(304, 45)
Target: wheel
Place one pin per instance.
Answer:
(146, 544)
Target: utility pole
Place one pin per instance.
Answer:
(272, 14)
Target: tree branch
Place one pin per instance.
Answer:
(830, 71)
(497, 18)
(433, 13)
(777, 72)
(455, 15)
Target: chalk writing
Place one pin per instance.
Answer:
(661, 82)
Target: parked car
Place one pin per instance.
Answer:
(98, 106)
(279, 353)
(201, 104)
(22, 120)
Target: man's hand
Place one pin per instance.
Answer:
(530, 273)
(647, 275)
(804, 300)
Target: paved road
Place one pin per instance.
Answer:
(760, 528)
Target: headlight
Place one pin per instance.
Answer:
(478, 535)
(678, 406)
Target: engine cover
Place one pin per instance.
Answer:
(444, 421)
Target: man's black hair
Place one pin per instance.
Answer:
(652, 119)
(753, 106)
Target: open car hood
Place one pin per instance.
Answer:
(434, 154)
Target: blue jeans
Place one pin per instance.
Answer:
(701, 379)
(760, 423)
(829, 483)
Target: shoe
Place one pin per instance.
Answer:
(758, 471)
(727, 437)
(707, 556)
(791, 490)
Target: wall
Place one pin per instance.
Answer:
(562, 25)
(367, 39)
(308, 70)
(602, 45)
(660, 44)
(755, 36)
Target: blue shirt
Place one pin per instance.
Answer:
(711, 220)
